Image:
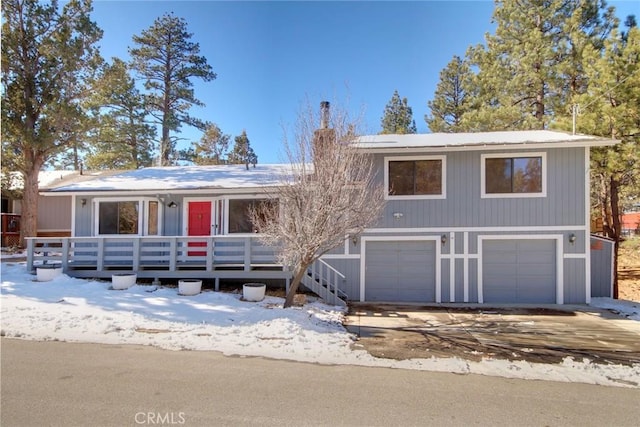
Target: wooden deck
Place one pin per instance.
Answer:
(159, 257)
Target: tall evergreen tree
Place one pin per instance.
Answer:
(48, 52)
(527, 66)
(454, 96)
(212, 147)
(121, 137)
(242, 153)
(398, 117)
(611, 107)
(167, 60)
(587, 27)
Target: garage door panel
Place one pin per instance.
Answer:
(387, 269)
(409, 272)
(536, 245)
(534, 296)
(380, 283)
(414, 295)
(503, 281)
(500, 257)
(526, 273)
(500, 270)
(506, 295)
(535, 269)
(385, 294)
(412, 282)
(402, 271)
(413, 245)
(414, 257)
(537, 257)
(536, 281)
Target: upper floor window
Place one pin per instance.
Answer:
(506, 175)
(415, 177)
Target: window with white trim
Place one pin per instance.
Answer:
(415, 177)
(123, 217)
(507, 175)
(239, 213)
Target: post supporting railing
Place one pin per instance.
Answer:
(136, 252)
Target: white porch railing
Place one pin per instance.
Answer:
(205, 257)
(163, 253)
(323, 280)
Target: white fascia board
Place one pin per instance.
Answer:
(481, 229)
(48, 194)
(489, 147)
(217, 192)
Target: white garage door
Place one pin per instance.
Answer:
(519, 271)
(400, 271)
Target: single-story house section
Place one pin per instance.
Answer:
(493, 217)
(54, 209)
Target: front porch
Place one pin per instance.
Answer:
(178, 257)
(159, 257)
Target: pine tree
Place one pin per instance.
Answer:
(212, 147)
(242, 153)
(611, 107)
(398, 117)
(586, 27)
(48, 52)
(453, 98)
(121, 139)
(527, 66)
(167, 60)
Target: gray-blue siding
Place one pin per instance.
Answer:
(573, 268)
(171, 224)
(601, 267)
(464, 207)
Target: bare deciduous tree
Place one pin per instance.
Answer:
(330, 193)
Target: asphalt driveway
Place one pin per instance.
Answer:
(535, 334)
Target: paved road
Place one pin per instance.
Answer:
(53, 383)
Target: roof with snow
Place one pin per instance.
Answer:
(185, 178)
(474, 139)
(50, 179)
(238, 177)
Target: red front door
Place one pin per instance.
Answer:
(199, 224)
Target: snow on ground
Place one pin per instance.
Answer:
(77, 310)
(628, 309)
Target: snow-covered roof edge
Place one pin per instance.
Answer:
(50, 179)
(185, 178)
(480, 139)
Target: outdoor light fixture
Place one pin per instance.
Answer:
(398, 215)
(354, 239)
(83, 202)
(443, 239)
(172, 204)
(572, 238)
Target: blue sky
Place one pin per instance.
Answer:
(270, 56)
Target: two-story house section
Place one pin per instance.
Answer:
(492, 217)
